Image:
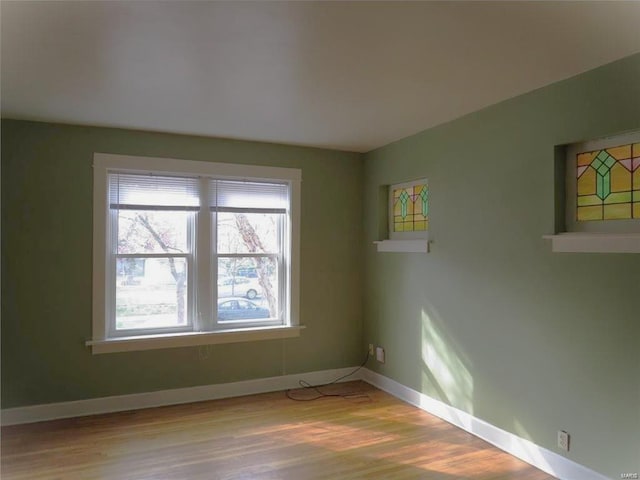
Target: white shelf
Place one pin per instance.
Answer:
(595, 242)
(403, 246)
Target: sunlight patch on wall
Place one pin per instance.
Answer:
(520, 430)
(444, 375)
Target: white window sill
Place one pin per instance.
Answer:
(191, 339)
(595, 242)
(403, 246)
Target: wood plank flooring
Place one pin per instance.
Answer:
(368, 435)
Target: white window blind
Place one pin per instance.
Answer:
(231, 195)
(153, 192)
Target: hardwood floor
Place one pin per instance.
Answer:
(370, 435)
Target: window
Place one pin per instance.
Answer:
(597, 192)
(408, 218)
(185, 251)
(603, 185)
(409, 210)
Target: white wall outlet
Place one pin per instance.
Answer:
(371, 351)
(563, 440)
(380, 354)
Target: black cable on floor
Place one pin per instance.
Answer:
(320, 394)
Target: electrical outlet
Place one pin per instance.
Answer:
(371, 351)
(563, 440)
(380, 354)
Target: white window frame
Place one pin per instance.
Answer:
(205, 329)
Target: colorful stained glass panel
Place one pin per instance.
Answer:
(411, 208)
(607, 181)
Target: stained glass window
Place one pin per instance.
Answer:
(608, 183)
(410, 207)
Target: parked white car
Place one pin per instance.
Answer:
(238, 287)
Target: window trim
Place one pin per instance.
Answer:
(101, 342)
(192, 339)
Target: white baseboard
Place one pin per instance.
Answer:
(136, 401)
(546, 460)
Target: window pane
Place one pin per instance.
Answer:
(151, 293)
(604, 184)
(143, 231)
(248, 232)
(247, 278)
(411, 208)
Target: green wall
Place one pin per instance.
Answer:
(491, 321)
(47, 264)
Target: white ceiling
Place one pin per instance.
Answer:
(351, 76)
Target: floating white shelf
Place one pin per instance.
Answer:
(579, 242)
(403, 246)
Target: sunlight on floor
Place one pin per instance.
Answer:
(457, 459)
(328, 435)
